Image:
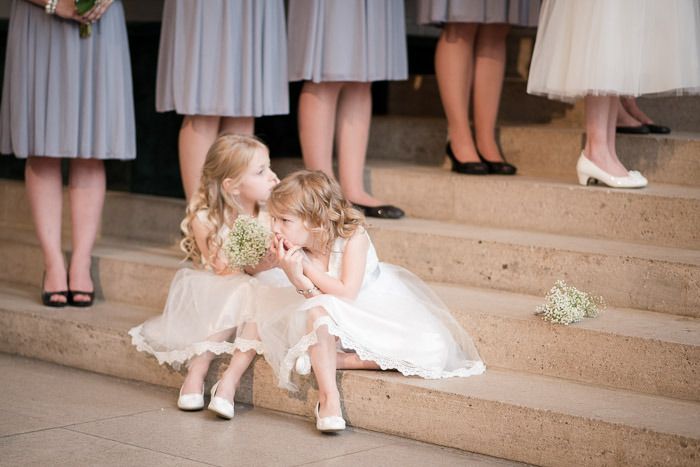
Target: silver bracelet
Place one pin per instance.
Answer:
(308, 291)
(50, 7)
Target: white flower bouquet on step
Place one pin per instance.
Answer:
(247, 243)
(566, 304)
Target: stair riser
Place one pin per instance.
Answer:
(624, 281)
(494, 428)
(560, 209)
(587, 356)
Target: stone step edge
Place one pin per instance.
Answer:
(578, 353)
(374, 400)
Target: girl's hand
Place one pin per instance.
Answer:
(290, 259)
(96, 12)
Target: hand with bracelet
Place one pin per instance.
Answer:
(290, 258)
(62, 8)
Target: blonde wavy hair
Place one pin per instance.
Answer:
(318, 201)
(228, 157)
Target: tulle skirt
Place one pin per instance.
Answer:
(396, 321)
(202, 312)
(616, 47)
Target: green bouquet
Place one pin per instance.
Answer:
(82, 7)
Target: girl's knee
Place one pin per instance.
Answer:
(313, 314)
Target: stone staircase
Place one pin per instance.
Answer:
(620, 389)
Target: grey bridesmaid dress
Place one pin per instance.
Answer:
(63, 95)
(223, 58)
(347, 40)
(515, 12)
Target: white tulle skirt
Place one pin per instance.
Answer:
(616, 47)
(396, 321)
(201, 315)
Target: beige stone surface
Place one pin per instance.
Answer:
(633, 276)
(648, 352)
(666, 215)
(97, 420)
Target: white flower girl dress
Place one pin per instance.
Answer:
(202, 312)
(395, 321)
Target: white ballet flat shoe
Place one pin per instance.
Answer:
(587, 170)
(220, 406)
(191, 401)
(328, 424)
(303, 364)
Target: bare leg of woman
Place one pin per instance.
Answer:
(454, 69)
(323, 360)
(597, 149)
(45, 192)
(630, 105)
(350, 361)
(317, 107)
(240, 361)
(489, 69)
(238, 125)
(197, 134)
(87, 195)
(352, 134)
(624, 118)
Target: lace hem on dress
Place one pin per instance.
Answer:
(404, 367)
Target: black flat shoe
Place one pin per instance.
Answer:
(386, 211)
(658, 129)
(46, 297)
(80, 303)
(499, 168)
(467, 168)
(633, 130)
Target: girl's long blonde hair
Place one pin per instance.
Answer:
(228, 157)
(318, 201)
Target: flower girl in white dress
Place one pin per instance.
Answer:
(381, 316)
(205, 305)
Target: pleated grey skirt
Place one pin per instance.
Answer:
(347, 40)
(223, 57)
(515, 12)
(64, 96)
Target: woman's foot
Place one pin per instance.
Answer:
(54, 287)
(372, 207)
(81, 288)
(329, 416)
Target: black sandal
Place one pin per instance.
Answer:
(47, 297)
(80, 303)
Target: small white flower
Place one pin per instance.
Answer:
(566, 304)
(247, 243)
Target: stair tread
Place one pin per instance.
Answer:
(542, 393)
(539, 239)
(614, 320)
(665, 190)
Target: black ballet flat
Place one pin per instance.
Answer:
(386, 211)
(658, 129)
(80, 303)
(467, 168)
(633, 130)
(46, 297)
(499, 168)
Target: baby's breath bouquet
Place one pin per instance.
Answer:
(566, 304)
(247, 243)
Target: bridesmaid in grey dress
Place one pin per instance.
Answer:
(221, 63)
(338, 47)
(67, 97)
(470, 61)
